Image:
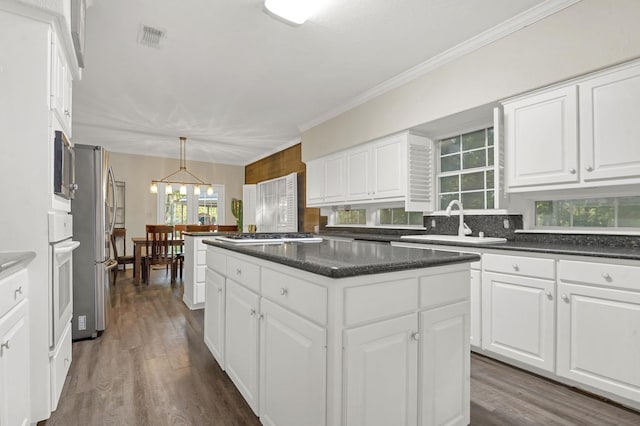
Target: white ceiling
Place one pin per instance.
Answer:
(240, 84)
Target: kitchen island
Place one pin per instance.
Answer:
(342, 333)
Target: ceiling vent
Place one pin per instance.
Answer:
(150, 36)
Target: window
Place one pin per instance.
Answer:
(351, 217)
(466, 170)
(399, 216)
(613, 212)
(205, 208)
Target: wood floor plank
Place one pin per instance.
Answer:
(151, 367)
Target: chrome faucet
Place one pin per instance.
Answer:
(463, 229)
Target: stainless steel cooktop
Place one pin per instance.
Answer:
(269, 238)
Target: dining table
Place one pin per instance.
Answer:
(140, 243)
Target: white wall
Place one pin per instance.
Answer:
(137, 171)
(589, 35)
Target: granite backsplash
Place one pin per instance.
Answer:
(491, 225)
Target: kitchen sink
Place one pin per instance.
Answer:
(456, 239)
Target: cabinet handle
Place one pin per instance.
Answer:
(220, 290)
(589, 168)
(17, 292)
(261, 317)
(5, 345)
(565, 297)
(252, 312)
(67, 113)
(606, 276)
(549, 295)
(238, 271)
(284, 291)
(66, 361)
(572, 171)
(415, 336)
(515, 267)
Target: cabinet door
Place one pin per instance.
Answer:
(358, 174)
(542, 139)
(380, 370)
(214, 315)
(476, 308)
(445, 361)
(241, 341)
(598, 341)
(315, 182)
(292, 369)
(518, 318)
(609, 125)
(334, 184)
(14, 367)
(389, 168)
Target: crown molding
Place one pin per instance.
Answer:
(504, 29)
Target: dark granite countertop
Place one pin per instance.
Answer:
(202, 234)
(341, 259)
(12, 260)
(559, 246)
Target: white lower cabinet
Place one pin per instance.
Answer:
(194, 272)
(380, 373)
(14, 367)
(599, 327)
(214, 315)
(292, 368)
(241, 341)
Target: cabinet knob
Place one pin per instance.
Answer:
(252, 312)
(17, 292)
(549, 295)
(220, 290)
(67, 113)
(261, 317)
(238, 271)
(606, 276)
(589, 168)
(4, 345)
(572, 171)
(284, 291)
(415, 336)
(565, 297)
(515, 267)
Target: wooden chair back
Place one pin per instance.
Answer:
(228, 228)
(159, 245)
(200, 228)
(120, 234)
(180, 229)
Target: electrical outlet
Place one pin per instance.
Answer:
(82, 322)
(505, 223)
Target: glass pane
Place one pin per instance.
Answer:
(175, 208)
(445, 199)
(474, 159)
(450, 163)
(471, 181)
(415, 218)
(490, 156)
(473, 200)
(449, 184)
(449, 146)
(473, 140)
(207, 207)
(361, 216)
(593, 213)
(385, 216)
(490, 200)
(490, 136)
(629, 212)
(490, 179)
(400, 217)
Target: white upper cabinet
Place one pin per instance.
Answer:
(61, 86)
(583, 134)
(542, 137)
(395, 168)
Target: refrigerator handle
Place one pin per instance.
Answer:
(112, 182)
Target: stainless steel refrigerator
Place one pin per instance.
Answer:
(93, 210)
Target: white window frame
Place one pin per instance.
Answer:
(192, 203)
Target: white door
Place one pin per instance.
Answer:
(445, 361)
(380, 371)
(315, 182)
(358, 174)
(542, 138)
(14, 367)
(389, 167)
(214, 315)
(476, 308)
(292, 369)
(334, 184)
(598, 338)
(241, 341)
(609, 125)
(518, 318)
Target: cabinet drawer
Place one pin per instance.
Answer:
(60, 363)
(201, 258)
(13, 289)
(519, 265)
(217, 260)
(298, 295)
(436, 290)
(602, 274)
(243, 272)
(369, 302)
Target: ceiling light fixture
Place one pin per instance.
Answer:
(296, 11)
(189, 178)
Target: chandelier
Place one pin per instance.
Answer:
(181, 177)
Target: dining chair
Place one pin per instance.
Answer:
(200, 228)
(122, 258)
(160, 250)
(228, 228)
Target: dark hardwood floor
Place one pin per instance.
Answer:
(151, 367)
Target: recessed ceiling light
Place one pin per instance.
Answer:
(296, 11)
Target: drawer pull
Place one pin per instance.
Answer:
(606, 276)
(252, 312)
(17, 292)
(415, 336)
(589, 168)
(515, 267)
(284, 291)
(572, 171)
(549, 295)
(565, 297)
(238, 271)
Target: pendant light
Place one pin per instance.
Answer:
(188, 178)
